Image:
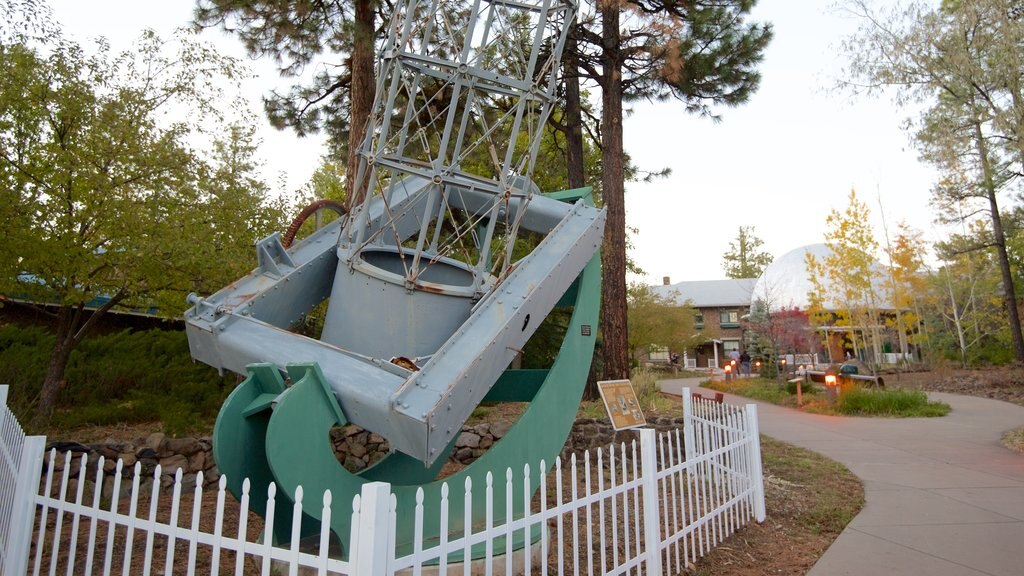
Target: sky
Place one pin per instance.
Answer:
(778, 163)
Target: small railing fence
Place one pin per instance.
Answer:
(649, 506)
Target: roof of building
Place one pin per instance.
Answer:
(709, 293)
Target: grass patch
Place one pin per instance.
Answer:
(1014, 440)
(831, 494)
(757, 388)
(894, 402)
(854, 401)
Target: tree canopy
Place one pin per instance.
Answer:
(108, 196)
(963, 61)
(745, 259)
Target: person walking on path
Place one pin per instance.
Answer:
(745, 363)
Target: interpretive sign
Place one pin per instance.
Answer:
(621, 403)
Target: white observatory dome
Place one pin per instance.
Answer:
(786, 282)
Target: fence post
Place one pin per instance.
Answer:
(649, 485)
(374, 550)
(757, 474)
(28, 458)
(24, 506)
(688, 445)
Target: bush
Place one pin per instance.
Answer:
(126, 377)
(857, 401)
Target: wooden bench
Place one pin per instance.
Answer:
(719, 397)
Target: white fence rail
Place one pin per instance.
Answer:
(649, 506)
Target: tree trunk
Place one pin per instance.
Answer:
(53, 381)
(613, 251)
(999, 238)
(573, 113)
(361, 97)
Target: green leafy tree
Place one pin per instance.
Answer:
(844, 282)
(906, 283)
(965, 303)
(963, 60)
(103, 192)
(338, 36)
(745, 259)
(657, 321)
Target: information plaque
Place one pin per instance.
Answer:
(621, 403)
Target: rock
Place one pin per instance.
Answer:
(170, 464)
(358, 450)
(467, 440)
(463, 454)
(184, 446)
(188, 482)
(128, 459)
(155, 440)
(64, 446)
(197, 462)
(482, 429)
(376, 439)
(486, 442)
(146, 453)
(354, 464)
(499, 429)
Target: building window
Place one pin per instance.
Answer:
(729, 319)
(698, 320)
(730, 345)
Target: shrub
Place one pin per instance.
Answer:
(125, 377)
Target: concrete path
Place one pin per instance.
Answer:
(943, 496)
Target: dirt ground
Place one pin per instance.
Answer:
(1004, 383)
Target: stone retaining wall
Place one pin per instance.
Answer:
(355, 449)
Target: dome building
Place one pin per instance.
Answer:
(786, 285)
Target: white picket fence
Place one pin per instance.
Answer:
(646, 507)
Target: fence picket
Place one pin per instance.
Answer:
(97, 491)
(293, 568)
(560, 554)
(527, 525)
(193, 542)
(467, 525)
(508, 523)
(417, 539)
(325, 530)
(543, 516)
(243, 522)
(590, 510)
(75, 516)
(150, 534)
(575, 518)
(59, 516)
(443, 530)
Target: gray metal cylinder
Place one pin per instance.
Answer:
(375, 312)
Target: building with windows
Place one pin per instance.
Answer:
(719, 306)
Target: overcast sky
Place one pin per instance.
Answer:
(778, 163)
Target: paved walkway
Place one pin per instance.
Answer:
(943, 497)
